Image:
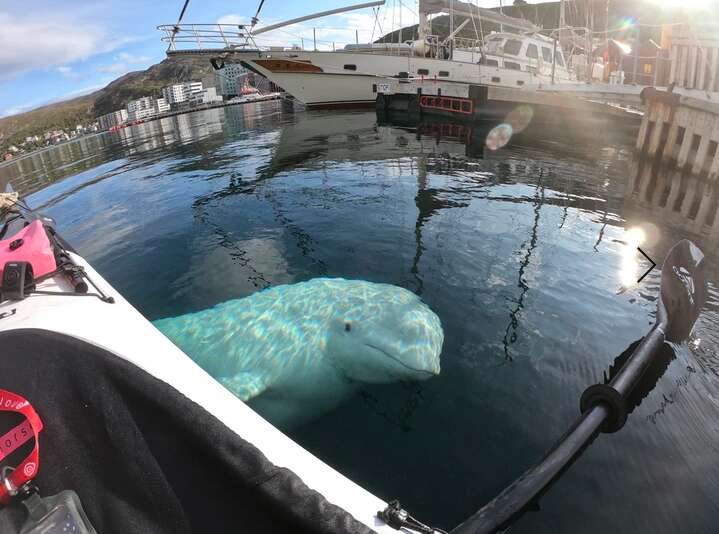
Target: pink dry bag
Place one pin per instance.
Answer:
(32, 245)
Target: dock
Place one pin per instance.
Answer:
(681, 129)
(471, 102)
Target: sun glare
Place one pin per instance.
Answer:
(629, 270)
(684, 4)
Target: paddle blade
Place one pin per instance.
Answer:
(683, 291)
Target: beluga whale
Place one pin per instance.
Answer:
(296, 351)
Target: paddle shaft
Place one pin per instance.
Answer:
(523, 492)
(630, 373)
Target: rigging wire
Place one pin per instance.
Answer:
(374, 24)
(176, 28)
(182, 12)
(256, 19)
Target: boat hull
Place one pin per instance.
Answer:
(349, 79)
(326, 91)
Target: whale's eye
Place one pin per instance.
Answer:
(348, 327)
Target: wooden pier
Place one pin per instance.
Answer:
(681, 131)
(695, 57)
(464, 101)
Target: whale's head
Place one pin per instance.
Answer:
(380, 333)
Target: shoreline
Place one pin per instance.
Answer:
(205, 107)
(274, 96)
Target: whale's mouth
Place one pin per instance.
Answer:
(380, 349)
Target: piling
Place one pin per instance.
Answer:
(695, 57)
(680, 131)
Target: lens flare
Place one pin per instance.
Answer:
(499, 136)
(627, 23)
(625, 48)
(519, 118)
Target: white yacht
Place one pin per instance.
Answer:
(349, 77)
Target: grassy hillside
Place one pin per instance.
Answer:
(65, 114)
(115, 95)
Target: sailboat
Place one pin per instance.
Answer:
(349, 77)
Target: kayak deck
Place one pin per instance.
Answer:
(121, 330)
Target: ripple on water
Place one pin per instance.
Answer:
(518, 250)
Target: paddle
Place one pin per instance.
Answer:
(604, 409)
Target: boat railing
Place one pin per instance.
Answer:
(229, 36)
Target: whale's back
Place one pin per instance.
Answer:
(258, 334)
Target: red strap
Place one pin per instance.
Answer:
(10, 441)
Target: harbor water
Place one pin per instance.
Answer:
(527, 252)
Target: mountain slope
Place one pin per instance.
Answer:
(115, 95)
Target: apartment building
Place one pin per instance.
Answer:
(112, 119)
(180, 94)
(206, 96)
(141, 108)
(161, 105)
(230, 79)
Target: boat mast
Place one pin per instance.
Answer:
(400, 22)
(451, 17)
(590, 39)
(501, 12)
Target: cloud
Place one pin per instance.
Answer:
(42, 42)
(29, 106)
(132, 58)
(114, 68)
(69, 73)
(53, 40)
(123, 62)
(233, 18)
(15, 110)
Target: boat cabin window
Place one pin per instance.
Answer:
(532, 51)
(558, 57)
(512, 65)
(443, 73)
(493, 44)
(350, 67)
(512, 47)
(423, 72)
(492, 63)
(547, 54)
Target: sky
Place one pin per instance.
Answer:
(53, 50)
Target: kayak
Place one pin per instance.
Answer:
(146, 438)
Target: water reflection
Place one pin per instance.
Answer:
(664, 195)
(510, 334)
(629, 271)
(39, 169)
(518, 250)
